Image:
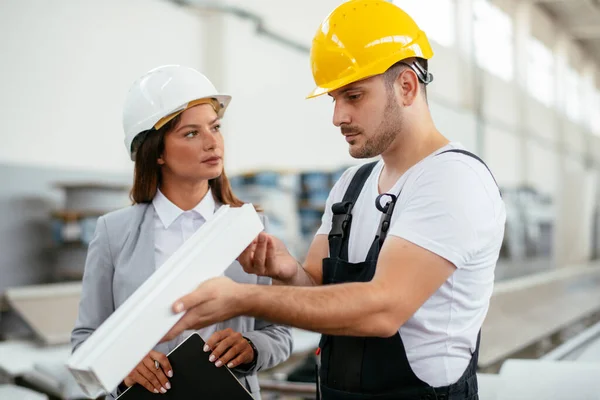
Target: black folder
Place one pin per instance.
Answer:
(194, 377)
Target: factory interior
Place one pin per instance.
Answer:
(517, 82)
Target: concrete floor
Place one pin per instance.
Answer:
(526, 311)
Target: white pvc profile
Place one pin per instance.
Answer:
(119, 344)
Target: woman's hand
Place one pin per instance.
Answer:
(229, 348)
(149, 376)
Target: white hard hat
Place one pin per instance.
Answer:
(163, 93)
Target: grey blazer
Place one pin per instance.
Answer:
(121, 257)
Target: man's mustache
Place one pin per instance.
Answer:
(350, 130)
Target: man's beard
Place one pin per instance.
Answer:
(384, 135)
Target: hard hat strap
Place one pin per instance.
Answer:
(424, 76)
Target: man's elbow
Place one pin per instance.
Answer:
(386, 325)
(387, 317)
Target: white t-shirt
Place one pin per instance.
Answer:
(448, 204)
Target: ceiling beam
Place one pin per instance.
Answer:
(585, 32)
(552, 1)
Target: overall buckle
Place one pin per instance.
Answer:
(342, 217)
(387, 211)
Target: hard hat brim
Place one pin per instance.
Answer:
(219, 103)
(369, 71)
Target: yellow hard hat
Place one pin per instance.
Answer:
(363, 38)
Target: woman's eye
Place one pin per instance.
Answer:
(191, 134)
(217, 128)
(353, 97)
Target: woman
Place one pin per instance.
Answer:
(171, 122)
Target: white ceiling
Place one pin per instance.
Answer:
(581, 18)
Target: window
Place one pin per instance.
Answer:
(540, 71)
(439, 24)
(493, 30)
(573, 95)
(596, 112)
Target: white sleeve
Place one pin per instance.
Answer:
(449, 211)
(335, 195)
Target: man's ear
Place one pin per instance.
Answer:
(408, 85)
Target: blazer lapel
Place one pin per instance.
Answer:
(142, 259)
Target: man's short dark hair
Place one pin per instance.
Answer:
(392, 72)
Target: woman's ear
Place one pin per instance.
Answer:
(160, 161)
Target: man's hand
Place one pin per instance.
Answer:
(149, 376)
(268, 256)
(229, 348)
(215, 300)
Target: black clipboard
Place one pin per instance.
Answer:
(194, 377)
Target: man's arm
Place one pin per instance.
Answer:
(311, 272)
(407, 275)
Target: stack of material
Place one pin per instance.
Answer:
(16, 392)
(74, 224)
(50, 311)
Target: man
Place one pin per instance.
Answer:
(399, 276)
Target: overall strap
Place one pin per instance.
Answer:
(342, 213)
(388, 209)
(469, 154)
(384, 224)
